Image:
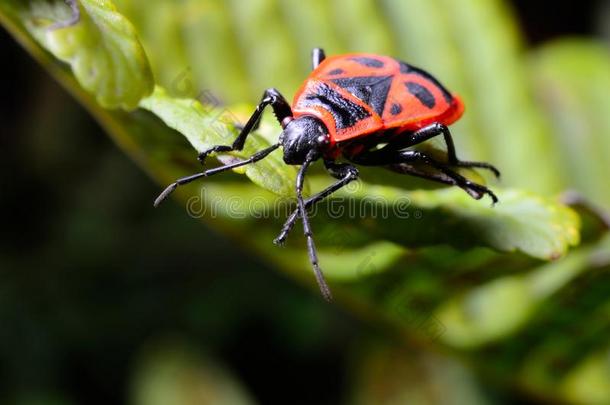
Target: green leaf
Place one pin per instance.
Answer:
(102, 48)
(431, 276)
(500, 307)
(521, 221)
(205, 127)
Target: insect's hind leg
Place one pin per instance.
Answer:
(397, 159)
(281, 109)
(474, 189)
(435, 129)
(317, 57)
(406, 168)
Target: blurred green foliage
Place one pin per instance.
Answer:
(540, 115)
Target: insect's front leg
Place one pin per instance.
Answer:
(345, 173)
(311, 246)
(281, 109)
(261, 154)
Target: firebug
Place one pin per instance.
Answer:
(356, 109)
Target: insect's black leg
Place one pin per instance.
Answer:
(406, 168)
(393, 158)
(435, 129)
(317, 56)
(311, 247)
(474, 189)
(185, 180)
(281, 109)
(74, 18)
(345, 173)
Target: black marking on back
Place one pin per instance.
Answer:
(368, 62)
(336, 72)
(422, 94)
(373, 90)
(396, 109)
(406, 68)
(345, 112)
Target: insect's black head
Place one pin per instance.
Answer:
(302, 135)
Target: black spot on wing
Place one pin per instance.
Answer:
(336, 72)
(406, 68)
(396, 109)
(368, 62)
(372, 90)
(345, 112)
(422, 94)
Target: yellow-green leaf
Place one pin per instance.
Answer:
(102, 48)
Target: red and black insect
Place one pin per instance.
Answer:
(367, 110)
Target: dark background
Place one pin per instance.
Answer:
(74, 310)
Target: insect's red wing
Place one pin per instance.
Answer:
(417, 99)
(402, 95)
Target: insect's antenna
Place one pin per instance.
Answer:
(185, 180)
(311, 247)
